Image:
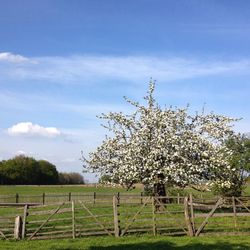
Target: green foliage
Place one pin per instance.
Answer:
(23, 170)
(240, 160)
(105, 179)
(241, 154)
(48, 173)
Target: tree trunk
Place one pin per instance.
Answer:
(160, 191)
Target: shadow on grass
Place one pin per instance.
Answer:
(165, 245)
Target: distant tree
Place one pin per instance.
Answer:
(48, 173)
(20, 170)
(70, 178)
(26, 170)
(2, 174)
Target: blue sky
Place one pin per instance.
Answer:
(64, 62)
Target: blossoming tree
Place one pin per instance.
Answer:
(181, 149)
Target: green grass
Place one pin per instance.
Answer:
(39, 189)
(35, 189)
(134, 243)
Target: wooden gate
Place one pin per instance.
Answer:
(71, 219)
(151, 215)
(228, 215)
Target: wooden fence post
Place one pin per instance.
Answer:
(73, 220)
(116, 217)
(118, 198)
(69, 196)
(234, 211)
(153, 216)
(18, 228)
(43, 198)
(17, 197)
(25, 214)
(192, 211)
(187, 217)
(178, 198)
(141, 197)
(94, 197)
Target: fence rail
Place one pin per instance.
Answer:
(47, 198)
(120, 215)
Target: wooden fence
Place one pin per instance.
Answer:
(47, 198)
(125, 215)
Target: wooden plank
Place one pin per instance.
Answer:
(218, 203)
(90, 229)
(18, 204)
(45, 221)
(97, 221)
(30, 230)
(25, 213)
(52, 237)
(223, 215)
(54, 232)
(48, 212)
(51, 220)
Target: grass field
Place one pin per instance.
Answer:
(33, 190)
(134, 243)
(137, 241)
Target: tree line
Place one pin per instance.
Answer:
(23, 170)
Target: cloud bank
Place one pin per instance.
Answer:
(12, 58)
(30, 129)
(86, 69)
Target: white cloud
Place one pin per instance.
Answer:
(88, 69)
(12, 58)
(30, 129)
(20, 152)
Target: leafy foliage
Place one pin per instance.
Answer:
(241, 154)
(240, 161)
(26, 170)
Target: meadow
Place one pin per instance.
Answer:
(128, 241)
(39, 189)
(56, 189)
(134, 243)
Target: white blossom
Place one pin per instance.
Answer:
(186, 149)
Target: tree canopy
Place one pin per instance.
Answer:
(181, 148)
(241, 154)
(24, 170)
